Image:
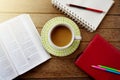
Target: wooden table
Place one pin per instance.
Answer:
(60, 68)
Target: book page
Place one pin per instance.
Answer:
(7, 70)
(24, 49)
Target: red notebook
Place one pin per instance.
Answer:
(99, 52)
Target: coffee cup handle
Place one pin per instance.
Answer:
(77, 38)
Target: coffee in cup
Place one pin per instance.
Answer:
(61, 36)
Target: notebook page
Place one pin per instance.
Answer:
(94, 18)
(88, 17)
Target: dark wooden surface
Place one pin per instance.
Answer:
(60, 68)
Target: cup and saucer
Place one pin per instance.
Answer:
(60, 36)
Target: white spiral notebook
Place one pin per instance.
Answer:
(88, 19)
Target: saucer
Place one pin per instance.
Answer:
(44, 36)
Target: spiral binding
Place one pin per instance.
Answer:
(72, 15)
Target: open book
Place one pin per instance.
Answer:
(20, 47)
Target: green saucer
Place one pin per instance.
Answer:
(44, 36)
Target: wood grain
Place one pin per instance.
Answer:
(70, 78)
(39, 6)
(109, 22)
(27, 6)
(60, 68)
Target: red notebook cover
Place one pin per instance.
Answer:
(99, 52)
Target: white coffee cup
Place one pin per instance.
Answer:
(74, 37)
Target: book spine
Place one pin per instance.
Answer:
(81, 22)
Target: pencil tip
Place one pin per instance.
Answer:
(92, 65)
(103, 12)
(68, 4)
